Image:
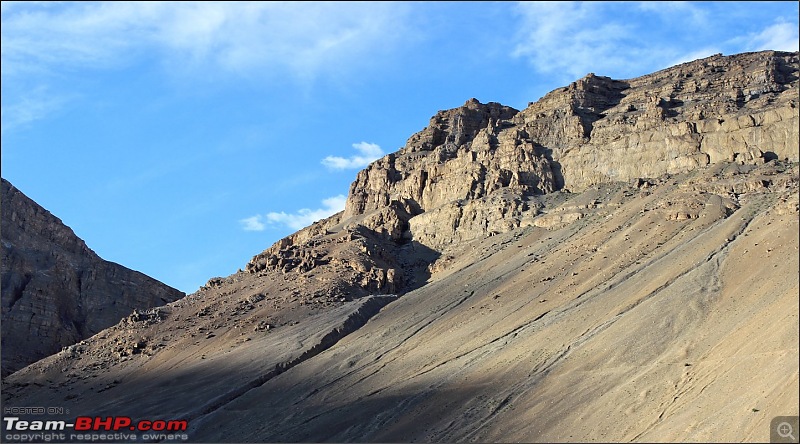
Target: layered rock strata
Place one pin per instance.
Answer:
(741, 108)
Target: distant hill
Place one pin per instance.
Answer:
(55, 290)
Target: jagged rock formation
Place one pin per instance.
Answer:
(55, 290)
(361, 261)
(737, 109)
(617, 262)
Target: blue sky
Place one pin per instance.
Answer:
(181, 139)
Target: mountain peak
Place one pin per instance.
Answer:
(593, 131)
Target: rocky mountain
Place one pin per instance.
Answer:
(616, 262)
(55, 290)
(479, 163)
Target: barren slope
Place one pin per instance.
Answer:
(624, 325)
(664, 313)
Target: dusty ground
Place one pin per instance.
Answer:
(642, 312)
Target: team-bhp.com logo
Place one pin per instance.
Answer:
(97, 424)
(119, 423)
(94, 428)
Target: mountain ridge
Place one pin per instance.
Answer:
(56, 291)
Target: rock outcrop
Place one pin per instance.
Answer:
(741, 108)
(55, 290)
(480, 169)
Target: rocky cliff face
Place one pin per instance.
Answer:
(481, 162)
(55, 290)
(482, 169)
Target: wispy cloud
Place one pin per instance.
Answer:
(571, 38)
(48, 37)
(254, 223)
(303, 39)
(624, 39)
(260, 41)
(782, 36)
(689, 12)
(298, 220)
(368, 152)
(30, 106)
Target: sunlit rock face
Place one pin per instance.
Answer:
(739, 109)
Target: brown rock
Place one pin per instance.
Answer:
(55, 290)
(741, 108)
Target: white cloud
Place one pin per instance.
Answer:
(687, 11)
(258, 41)
(253, 223)
(626, 39)
(298, 220)
(301, 39)
(573, 38)
(369, 152)
(781, 36)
